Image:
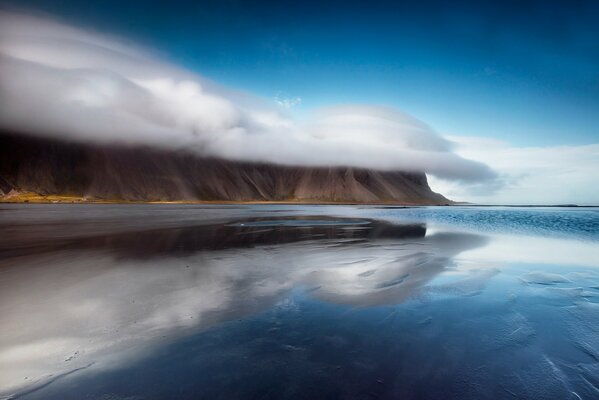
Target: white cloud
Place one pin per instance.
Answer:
(61, 81)
(288, 102)
(529, 175)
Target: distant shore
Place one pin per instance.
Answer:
(35, 198)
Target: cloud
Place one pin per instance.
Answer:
(529, 175)
(288, 102)
(62, 81)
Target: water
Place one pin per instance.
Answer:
(317, 302)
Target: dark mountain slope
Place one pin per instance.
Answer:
(50, 166)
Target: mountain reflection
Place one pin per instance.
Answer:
(103, 300)
(242, 233)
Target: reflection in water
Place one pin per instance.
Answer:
(143, 286)
(287, 307)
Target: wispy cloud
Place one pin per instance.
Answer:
(529, 175)
(288, 102)
(62, 81)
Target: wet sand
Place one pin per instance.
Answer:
(280, 301)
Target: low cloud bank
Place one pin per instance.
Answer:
(61, 81)
(528, 175)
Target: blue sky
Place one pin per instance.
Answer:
(523, 72)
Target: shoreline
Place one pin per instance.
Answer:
(34, 198)
(280, 202)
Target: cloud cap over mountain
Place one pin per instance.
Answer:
(61, 81)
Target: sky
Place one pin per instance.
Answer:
(509, 90)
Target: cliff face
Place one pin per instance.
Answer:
(49, 166)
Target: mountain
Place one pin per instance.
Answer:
(137, 173)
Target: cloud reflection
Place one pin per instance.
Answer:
(106, 300)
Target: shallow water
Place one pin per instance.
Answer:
(278, 301)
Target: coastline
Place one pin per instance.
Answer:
(34, 198)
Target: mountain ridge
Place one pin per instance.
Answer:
(54, 167)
